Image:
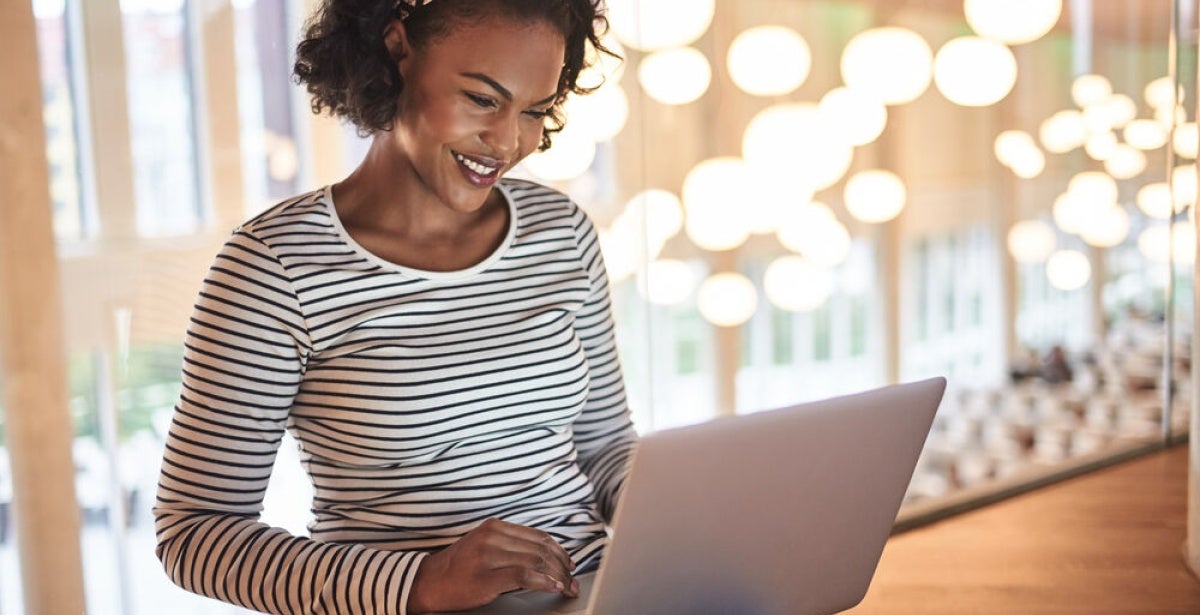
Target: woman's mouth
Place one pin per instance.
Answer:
(481, 172)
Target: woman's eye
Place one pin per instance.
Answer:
(481, 101)
(538, 114)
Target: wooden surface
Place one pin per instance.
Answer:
(1105, 543)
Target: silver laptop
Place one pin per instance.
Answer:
(773, 513)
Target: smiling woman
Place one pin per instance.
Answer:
(436, 337)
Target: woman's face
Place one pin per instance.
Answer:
(474, 104)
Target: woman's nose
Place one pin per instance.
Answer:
(503, 135)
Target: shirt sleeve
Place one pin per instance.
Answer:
(604, 433)
(245, 353)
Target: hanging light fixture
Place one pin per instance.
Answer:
(1089, 89)
(652, 25)
(795, 145)
(1187, 140)
(727, 299)
(815, 232)
(675, 76)
(1012, 21)
(711, 191)
(659, 212)
(1146, 135)
(974, 72)
(1155, 200)
(1158, 93)
(875, 196)
(1031, 241)
(1106, 227)
(1125, 162)
(855, 116)
(1068, 270)
(1063, 131)
(892, 65)
(668, 282)
(769, 60)
(571, 156)
(795, 284)
(602, 113)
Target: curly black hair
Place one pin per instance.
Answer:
(345, 65)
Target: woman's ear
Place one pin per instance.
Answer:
(395, 37)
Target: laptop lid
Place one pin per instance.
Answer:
(779, 512)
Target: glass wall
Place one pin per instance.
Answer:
(797, 199)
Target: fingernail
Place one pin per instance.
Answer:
(575, 585)
(558, 586)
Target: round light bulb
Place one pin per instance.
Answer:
(974, 72)
(1146, 135)
(892, 65)
(727, 299)
(710, 192)
(1089, 89)
(675, 76)
(1094, 187)
(1063, 131)
(1071, 212)
(1031, 241)
(1106, 227)
(855, 116)
(1155, 242)
(1101, 146)
(1029, 164)
(1068, 270)
(1155, 200)
(1158, 93)
(769, 60)
(1187, 139)
(815, 232)
(602, 113)
(1010, 144)
(795, 284)
(651, 25)
(875, 196)
(1126, 162)
(1121, 110)
(793, 145)
(1012, 21)
(668, 282)
(570, 156)
(1183, 182)
(658, 211)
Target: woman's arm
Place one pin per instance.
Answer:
(604, 433)
(245, 353)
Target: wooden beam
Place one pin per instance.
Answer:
(32, 362)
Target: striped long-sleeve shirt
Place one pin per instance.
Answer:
(423, 402)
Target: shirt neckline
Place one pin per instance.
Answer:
(458, 274)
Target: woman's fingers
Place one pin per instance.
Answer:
(505, 552)
(527, 539)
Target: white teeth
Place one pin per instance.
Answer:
(474, 166)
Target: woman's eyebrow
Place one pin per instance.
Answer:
(503, 91)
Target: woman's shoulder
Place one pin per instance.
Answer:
(531, 198)
(308, 211)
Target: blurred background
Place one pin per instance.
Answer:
(797, 199)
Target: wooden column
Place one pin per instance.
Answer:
(215, 26)
(108, 127)
(32, 362)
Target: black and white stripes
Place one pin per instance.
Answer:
(424, 403)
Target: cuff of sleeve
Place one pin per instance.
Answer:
(408, 565)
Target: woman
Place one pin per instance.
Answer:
(437, 338)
